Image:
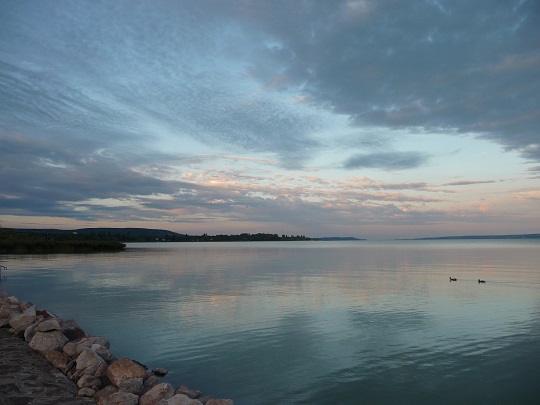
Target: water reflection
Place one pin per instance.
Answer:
(307, 322)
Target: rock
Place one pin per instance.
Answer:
(105, 392)
(72, 330)
(20, 322)
(89, 341)
(25, 305)
(89, 381)
(60, 360)
(160, 372)
(8, 309)
(102, 352)
(43, 342)
(132, 385)
(119, 398)
(70, 349)
(48, 326)
(185, 390)
(150, 383)
(179, 399)
(124, 369)
(43, 313)
(88, 358)
(157, 393)
(86, 392)
(31, 330)
(4, 322)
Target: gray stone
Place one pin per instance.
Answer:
(89, 381)
(43, 342)
(105, 392)
(149, 383)
(48, 326)
(160, 372)
(132, 385)
(31, 330)
(102, 352)
(89, 341)
(72, 330)
(20, 322)
(70, 349)
(193, 394)
(86, 392)
(88, 358)
(157, 393)
(60, 360)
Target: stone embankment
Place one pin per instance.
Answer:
(87, 371)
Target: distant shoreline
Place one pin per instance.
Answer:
(523, 236)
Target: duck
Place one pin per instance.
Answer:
(481, 281)
(453, 279)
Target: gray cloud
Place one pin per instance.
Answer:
(386, 160)
(469, 182)
(454, 65)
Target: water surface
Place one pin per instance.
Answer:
(310, 322)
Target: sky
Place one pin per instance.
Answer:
(377, 119)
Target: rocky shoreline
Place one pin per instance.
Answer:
(47, 360)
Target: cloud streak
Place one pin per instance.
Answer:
(387, 161)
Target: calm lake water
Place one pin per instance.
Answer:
(310, 322)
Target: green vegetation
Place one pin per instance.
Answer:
(20, 242)
(148, 235)
(243, 237)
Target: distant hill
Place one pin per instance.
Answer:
(524, 236)
(149, 235)
(131, 232)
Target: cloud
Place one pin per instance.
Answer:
(461, 67)
(386, 160)
(468, 182)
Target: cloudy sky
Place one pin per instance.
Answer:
(368, 118)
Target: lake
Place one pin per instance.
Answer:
(310, 322)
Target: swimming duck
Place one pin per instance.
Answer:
(453, 279)
(481, 281)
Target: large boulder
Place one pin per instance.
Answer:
(31, 330)
(89, 381)
(102, 352)
(48, 325)
(133, 385)
(150, 383)
(124, 369)
(44, 342)
(157, 393)
(72, 330)
(185, 390)
(60, 360)
(20, 322)
(88, 359)
(70, 348)
(105, 392)
(9, 308)
(87, 342)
